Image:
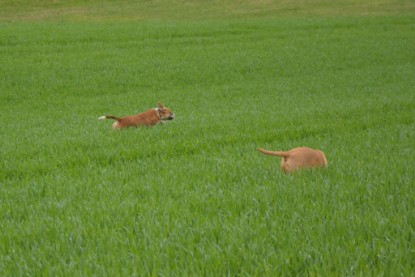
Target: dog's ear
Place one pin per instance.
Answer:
(161, 106)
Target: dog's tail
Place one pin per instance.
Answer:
(274, 153)
(108, 117)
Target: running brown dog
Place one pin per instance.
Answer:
(297, 158)
(149, 118)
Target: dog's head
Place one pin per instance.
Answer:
(165, 113)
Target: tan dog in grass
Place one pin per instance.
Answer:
(297, 158)
(148, 118)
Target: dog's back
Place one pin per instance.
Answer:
(300, 157)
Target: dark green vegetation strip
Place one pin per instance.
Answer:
(127, 10)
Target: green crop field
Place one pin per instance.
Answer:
(194, 197)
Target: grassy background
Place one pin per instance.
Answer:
(194, 197)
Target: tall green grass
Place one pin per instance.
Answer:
(194, 197)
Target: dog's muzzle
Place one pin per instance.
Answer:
(171, 117)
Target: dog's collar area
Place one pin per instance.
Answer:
(158, 112)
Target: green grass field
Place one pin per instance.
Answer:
(194, 197)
